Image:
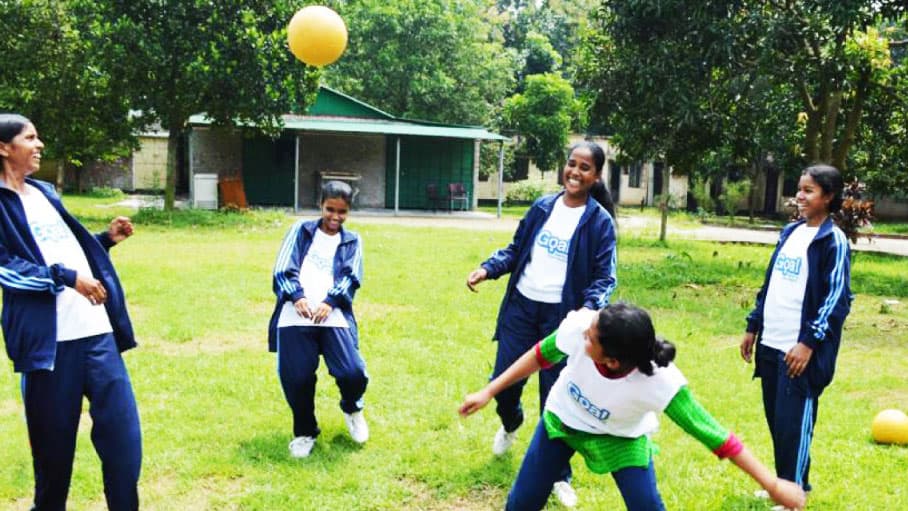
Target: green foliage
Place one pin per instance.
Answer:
(106, 192)
(528, 191)
(228, 59)
(543, 115)
(733, 192)
(54, 74)
(488, 161)
(701, 193)
(439, 60)
(539, 57)
(195, 218)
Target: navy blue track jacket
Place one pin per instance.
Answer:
(348, 273)
(30, 286)
(827, 299)
(592, 256)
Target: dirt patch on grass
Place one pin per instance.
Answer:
(164, 493)
(10, 407)
(423, 498)
(204, 345)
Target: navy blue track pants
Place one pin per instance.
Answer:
(790, 405)
(524, 322)
(298, 350)
(539, 471)
(90, 367)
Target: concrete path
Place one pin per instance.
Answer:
(627, 223)
(481, 221)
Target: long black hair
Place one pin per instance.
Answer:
(626, 333)
(599, 191)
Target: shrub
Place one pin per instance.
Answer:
(732, 194)
(529, 191)
(105, 192)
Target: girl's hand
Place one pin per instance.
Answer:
(474, 402)
(797, 359)
(475, 277)
(119, 229)
(747, 346)
(302, 308)
(788, 494)
(321, 312)
(91, 288)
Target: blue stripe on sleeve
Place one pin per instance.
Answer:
(284, 258)
(836, 286)
(16, 280)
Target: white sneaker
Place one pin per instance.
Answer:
(565, 493)
(356, 423)
(503, 441)
(301, 446)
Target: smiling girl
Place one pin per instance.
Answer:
(318, 270)
(797, 322)
(562, 258)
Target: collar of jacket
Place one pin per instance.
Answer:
(310, 228)
(825, 228)
(547, 204)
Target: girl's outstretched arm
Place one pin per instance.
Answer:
(784, 492)
(526, 365)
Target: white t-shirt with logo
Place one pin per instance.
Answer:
(316, 277)
(586, 400)
(543, 277)
(785, 293)
(76, 316)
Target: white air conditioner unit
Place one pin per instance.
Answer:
(205, 191)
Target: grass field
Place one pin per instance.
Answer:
(216, 426)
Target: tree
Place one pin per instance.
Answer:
(55, 76)
(644, 65)
(439, 60)
(834, 58)
(228, 59)
(543, 116)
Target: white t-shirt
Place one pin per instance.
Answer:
(316, 278)
(76, 316)
(543, 277)
(785, 293)
(586, 400)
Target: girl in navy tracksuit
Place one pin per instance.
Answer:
(797, 322)
(64, 324)
(562, 258)
(318, 270)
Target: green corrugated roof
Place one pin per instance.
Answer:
(376, 126)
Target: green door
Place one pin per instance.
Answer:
(425, 162)
(268, 171)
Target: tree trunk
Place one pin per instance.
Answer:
(755, 168)
(830, 121)
(61, 175)
(853, 118)
(663, 202)
(170, 184)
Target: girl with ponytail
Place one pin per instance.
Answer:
(605, 403)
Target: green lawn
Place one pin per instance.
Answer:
(216, 426)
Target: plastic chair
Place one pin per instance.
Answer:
(433, 198)
(457, 193)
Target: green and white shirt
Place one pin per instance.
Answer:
(609, 420)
